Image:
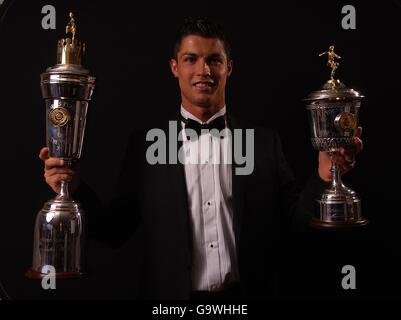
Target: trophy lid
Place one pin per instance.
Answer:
(333, 89)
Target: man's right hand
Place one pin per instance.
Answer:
(56, 171)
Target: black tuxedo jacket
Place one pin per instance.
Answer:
(153, 203)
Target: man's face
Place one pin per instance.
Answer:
(202, 70)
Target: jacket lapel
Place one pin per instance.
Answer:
(237, 183)
(177, 181)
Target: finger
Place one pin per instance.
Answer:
(343, 156)
(44, 154)
(358, 144)
(348, 157)
(59, 170)
(57, 178)
(53, 162)
(344, 166)
(358, 132)
(347, 154)
(354, 148)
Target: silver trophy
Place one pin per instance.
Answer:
(333, 116)
(66, 88)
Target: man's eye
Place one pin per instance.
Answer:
(215, 61)
(189, 59)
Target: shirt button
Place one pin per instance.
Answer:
(208, 203)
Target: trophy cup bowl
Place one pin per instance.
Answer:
(58, 236)
(333, 114)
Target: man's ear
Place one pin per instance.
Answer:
(173, 66)
(230, 65)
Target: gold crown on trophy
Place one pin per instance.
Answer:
(70, 50)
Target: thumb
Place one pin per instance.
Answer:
(44, 154)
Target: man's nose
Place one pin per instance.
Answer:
(204, 69)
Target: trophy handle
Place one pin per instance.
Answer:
(64, 193)
(336, 182)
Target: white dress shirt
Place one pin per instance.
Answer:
(209, 188)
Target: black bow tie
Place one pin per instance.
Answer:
(219, 123)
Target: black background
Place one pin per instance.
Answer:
(276, 65)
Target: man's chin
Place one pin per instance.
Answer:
(204, 103)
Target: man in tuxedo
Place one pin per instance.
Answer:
(206, 230)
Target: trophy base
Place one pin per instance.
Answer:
(35, 275)
(339, 210)
(337, 225)
(58, 240)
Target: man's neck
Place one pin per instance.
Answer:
(203, 114)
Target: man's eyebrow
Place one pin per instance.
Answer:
(190, 54)
(216, 55)
(213, 55)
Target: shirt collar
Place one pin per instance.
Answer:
(186, 114)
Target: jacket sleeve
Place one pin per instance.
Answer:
(115, 222)
(297, 205)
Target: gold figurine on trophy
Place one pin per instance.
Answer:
(71, 27)
(331, 56)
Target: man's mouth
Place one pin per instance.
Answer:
(203, 84)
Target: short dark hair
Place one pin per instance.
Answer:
(204, 27)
